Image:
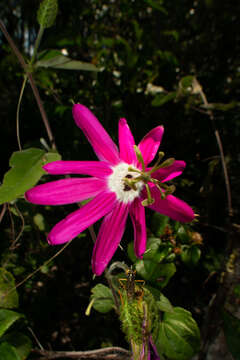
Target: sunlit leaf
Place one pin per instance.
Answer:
(26, 170)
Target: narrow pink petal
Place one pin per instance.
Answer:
(109, 237)
(101, 142)
(81, 219)
(98, 169)
(65, 191)
(137, 213)
(170, 172)
(171, 206)
(126, 143)
(150, 143)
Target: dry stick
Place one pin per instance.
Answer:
(32, 83)
(112, 353)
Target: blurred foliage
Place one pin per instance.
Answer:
(142, 57)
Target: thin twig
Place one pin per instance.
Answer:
(4, 208)
(32, 83)
(13, 245)
(111, 353)
(209, 112)
(38, 269)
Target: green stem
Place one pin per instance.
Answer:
(37, 43)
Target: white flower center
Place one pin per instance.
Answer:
(117, 185)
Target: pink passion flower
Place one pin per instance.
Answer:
(117, 187)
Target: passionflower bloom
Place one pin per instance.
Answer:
(120, 183)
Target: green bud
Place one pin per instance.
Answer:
(47, 13)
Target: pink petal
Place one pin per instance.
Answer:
(101, 142)
(98, 169)
(170, 172)
(126, 143)
(137, 213)
(171, 206)
(65, 191)
(109, 237)
(150, 143)
(81, 219)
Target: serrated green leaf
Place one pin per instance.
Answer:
(103, 298)
(7, 318)
(231, 327)
(8, 293)
(20, 342)
(47, 13)
(26, 170)
(8, 352)
(161, 99)
(164, 304)
(179, 335)
(57, 60)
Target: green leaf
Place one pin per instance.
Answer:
(157, 4)
(231, 327)
(164, 304)
(8, 352)
(159, 274)
(7, 318)
(47, 13)
(161, 99)
(55, 59)
(190, 255)
(8, 293)
(20, 342)
(153, 244)
(179, 336)
(159, 223)
(26, 170)
(131, 252)
(103, 298)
